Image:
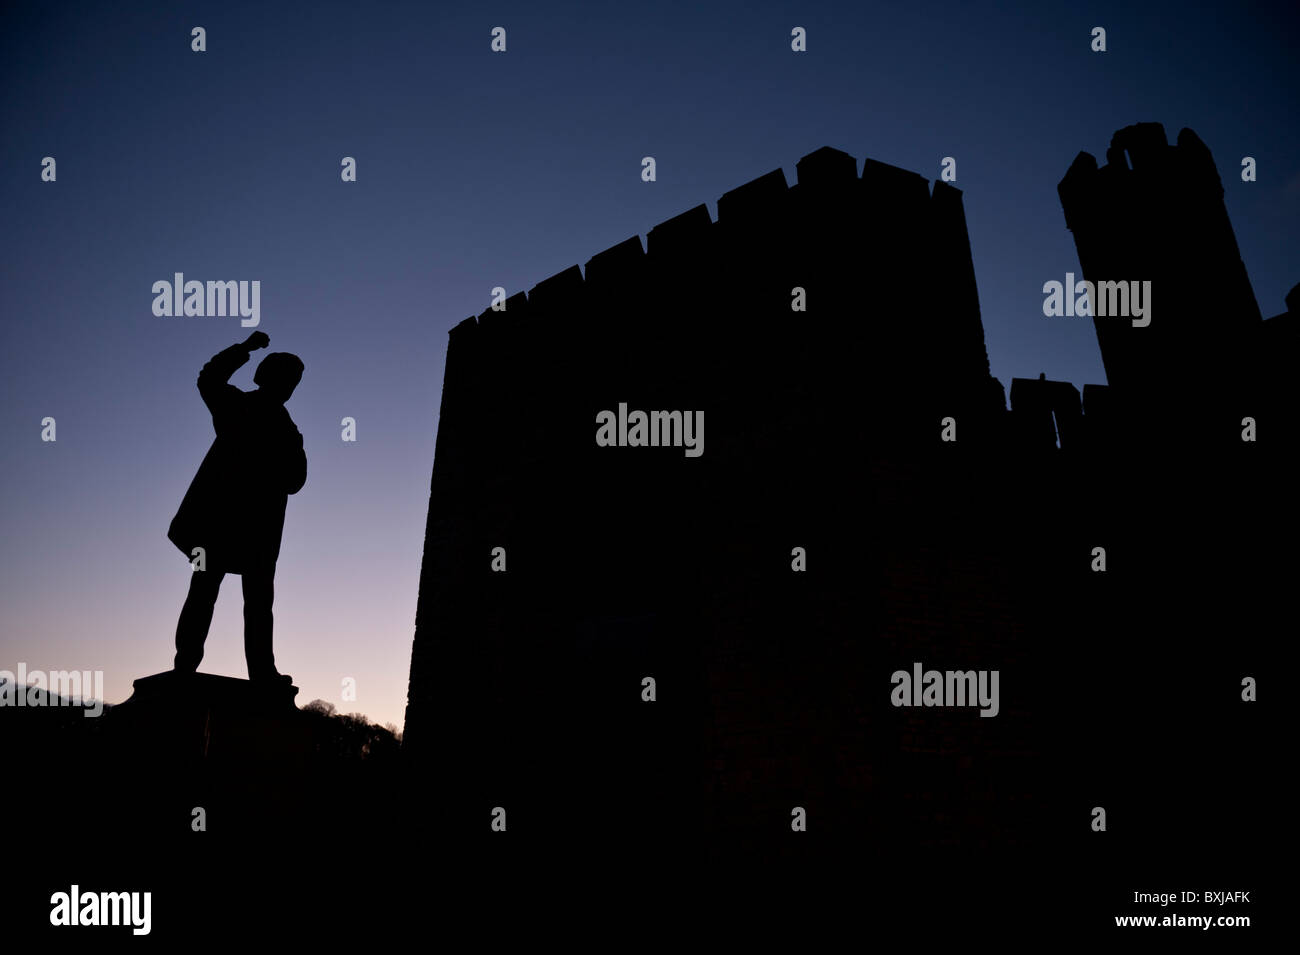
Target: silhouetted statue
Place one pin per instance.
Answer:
(234, 508)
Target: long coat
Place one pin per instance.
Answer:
(234, 508)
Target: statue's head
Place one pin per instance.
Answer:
(278, 374)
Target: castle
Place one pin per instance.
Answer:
(625, 641)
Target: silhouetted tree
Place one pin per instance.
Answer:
(349, 736)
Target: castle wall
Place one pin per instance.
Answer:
(823, 432)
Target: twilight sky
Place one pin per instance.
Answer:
(478, 169)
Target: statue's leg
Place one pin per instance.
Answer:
(259, 594)
(196, 617)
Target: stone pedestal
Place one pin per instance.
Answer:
(205, 718)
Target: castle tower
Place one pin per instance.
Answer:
(1155, 212)
(824, 329)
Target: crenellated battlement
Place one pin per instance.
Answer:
(1140, 165)
(829, 195)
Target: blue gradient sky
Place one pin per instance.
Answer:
(475, 170)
